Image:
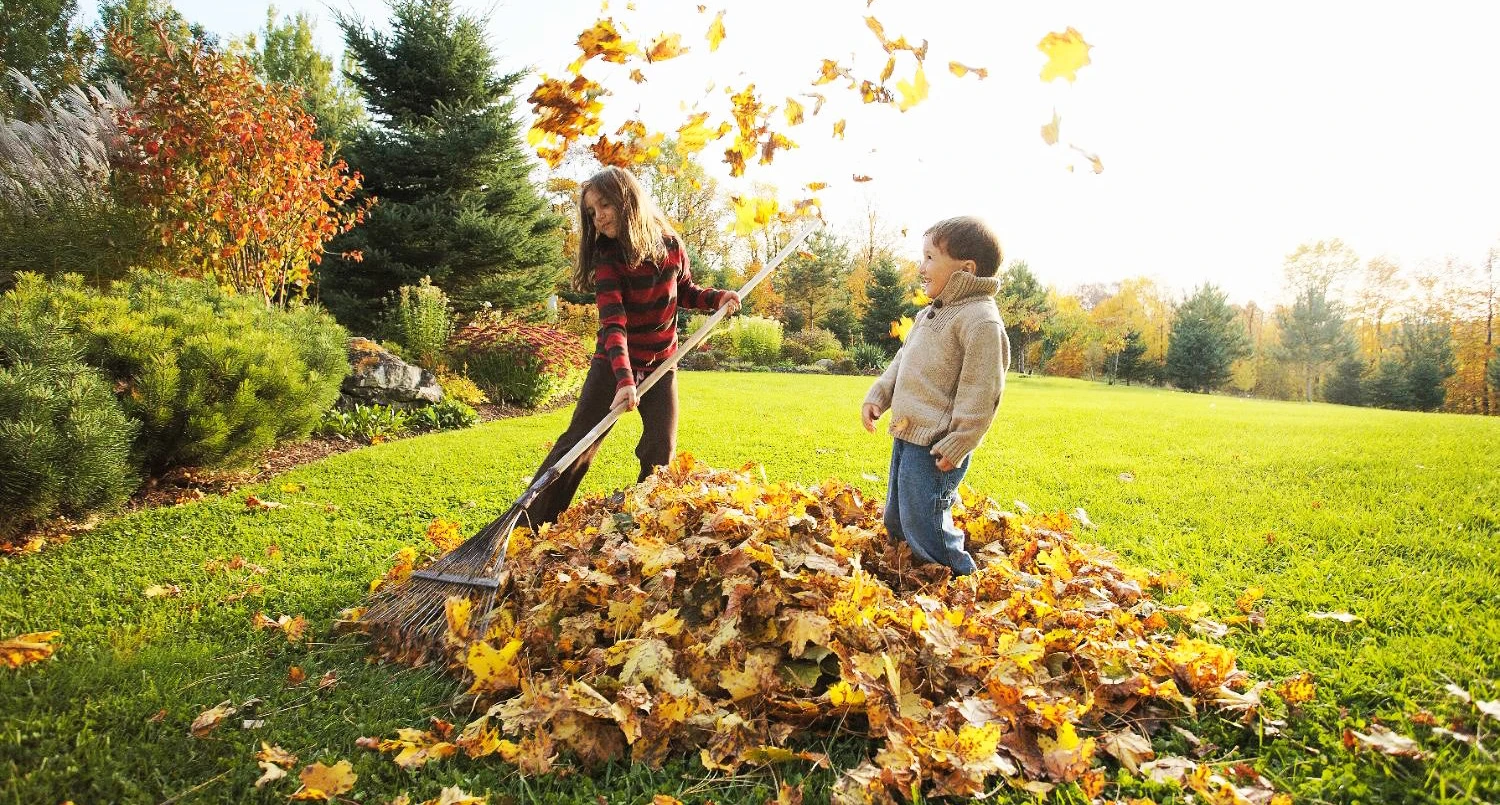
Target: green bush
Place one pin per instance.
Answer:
(64, 441)
(751, 339)
(370, 423)
(449, 414)
(213, 378)
(868, 357)
(421, 321)
(460, 388)
(526, 364)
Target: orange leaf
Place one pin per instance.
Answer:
(27, 648)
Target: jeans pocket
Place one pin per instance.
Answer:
(944, 501)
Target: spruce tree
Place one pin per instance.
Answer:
(1205, 341)
(1313, 335)
(887, 303)
(1128, 364)
(450, 170)
(1346, 386)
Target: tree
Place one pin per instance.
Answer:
(1130, 364)
(143, 22)
(1346, 386)
(1427, 360)
(1025, 307)
(1313, 335)
(813, 281)
(38, 40)
(1205, 341)
(283, 52)
(1494, 373)
(888, 302)
(449, 166)
(1323, 264)
(239, 187)
(1378, 295)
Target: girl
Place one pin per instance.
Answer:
(633, 261)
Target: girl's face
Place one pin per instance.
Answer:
(937, 267)
(604, 215)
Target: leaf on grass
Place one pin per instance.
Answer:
(1128, 747)
(444, 534)
(252, 502)
(320, 782)
(270, 773)
(453, 795)
(1383, 740)
(210, 719)
(1297, 689)
(1066, 52)
(162, 591)
(328, 681)
(1341, 617)
(295, 676)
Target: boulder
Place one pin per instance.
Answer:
(826, 364)
(378, 377)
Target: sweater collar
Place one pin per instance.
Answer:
(963, 285)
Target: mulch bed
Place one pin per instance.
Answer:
(185, 484)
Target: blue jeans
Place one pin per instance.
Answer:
(918, 506)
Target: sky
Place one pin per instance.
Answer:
(1228, 134)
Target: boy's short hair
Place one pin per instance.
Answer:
(968, 238)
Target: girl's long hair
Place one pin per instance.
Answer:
(643, 230)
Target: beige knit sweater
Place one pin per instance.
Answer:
(944, 385)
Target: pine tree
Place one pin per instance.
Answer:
(1427, 357)
(815, 284)
(887, 303)
(1128, 364)
(1313, 334)
(1205, 342)
(1024, 306)
(448, 165)
(1346, 386)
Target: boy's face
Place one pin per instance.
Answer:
(937, 267)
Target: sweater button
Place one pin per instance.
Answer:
(937, 303)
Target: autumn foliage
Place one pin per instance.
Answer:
(239, 186)
(711, 614)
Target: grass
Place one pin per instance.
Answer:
(1389, 516)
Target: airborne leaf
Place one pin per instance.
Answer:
(962, 70)
(1066, 52)
(716, 32)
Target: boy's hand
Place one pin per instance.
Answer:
(868, 413)
(943, 463)
(731, 302)
(627, 397)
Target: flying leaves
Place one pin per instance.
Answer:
(1066, 53)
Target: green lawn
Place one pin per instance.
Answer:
(1389, 516)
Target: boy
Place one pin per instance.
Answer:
(942, 389)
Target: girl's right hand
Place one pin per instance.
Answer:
(868, 413)
(626, 396)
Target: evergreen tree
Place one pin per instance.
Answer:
(450, 170)
(1387, 388)
(1427, 356)
(887, 303)
(38, 40)
(1128, 362)
(1024, 306)
(842, 322)
(1313, 334)
(1346, 386)
(814, 283)
(1205, 341)
(284, 53)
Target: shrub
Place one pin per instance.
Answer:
(812, 344)
(421, 321)
(370, 423)
(580, 320)
(748, 338)
(449, 414)
(64, 441)
(214, 378)
(700, 359)
(526, 364)
(460, 388)
(868, 357)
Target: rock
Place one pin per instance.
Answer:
(377, 377)
(825, 364)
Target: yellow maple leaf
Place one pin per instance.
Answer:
(890, 67)
(1297, 689)
(842, 694)
(457, 610)
(453, 795)
(751, 214)
(838, 129)
(665, 46)
(320, 782)
(902, 328)
(716, 32)
(1049, 131)
(803, 627)
(920, 298)
(1067, 757)
(1247, 599)
(913, 92)
(1066, 52)
(444, 534)
(494, 669)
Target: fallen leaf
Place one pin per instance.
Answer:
(270, 773)
(1341, 617)
(210, 719)
(320, 782)
(295, 676)
(253, 502)
(28, 648)
(328, 681)
(1387, 742)
(162, 591)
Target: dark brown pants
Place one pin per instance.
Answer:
(658, 409)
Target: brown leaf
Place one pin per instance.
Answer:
(210, 719)
(1383, 740)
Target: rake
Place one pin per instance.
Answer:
(410, 615)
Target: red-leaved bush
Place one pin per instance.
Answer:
(516, 362)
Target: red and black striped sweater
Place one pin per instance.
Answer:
(638, 309)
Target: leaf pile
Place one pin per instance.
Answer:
(707, 612)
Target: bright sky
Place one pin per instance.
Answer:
(1228, 135)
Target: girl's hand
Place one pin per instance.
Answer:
(626, 397)
(868, 413)
(731, 302)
